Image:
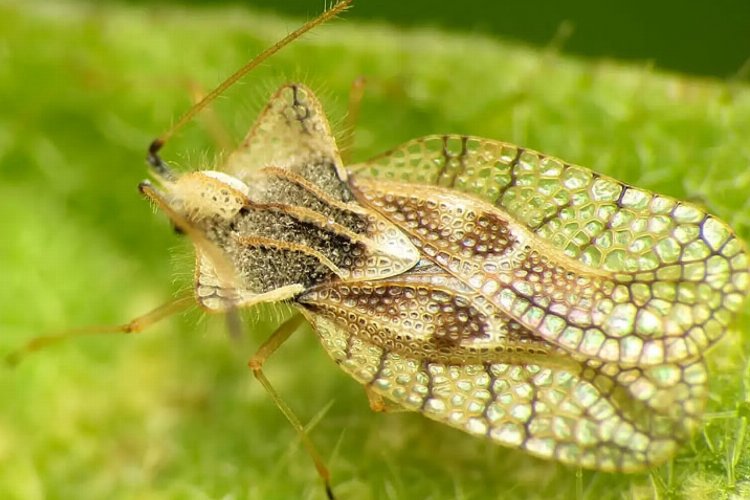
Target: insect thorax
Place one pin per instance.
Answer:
(295, 228)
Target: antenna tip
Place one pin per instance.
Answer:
(143, 186)
(155, 145)
(153, 152)
(329, 491)
(157, 164)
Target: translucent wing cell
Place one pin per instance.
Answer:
(427, 343)
(292, 132)
(595, 266)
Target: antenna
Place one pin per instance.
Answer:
(153, 158)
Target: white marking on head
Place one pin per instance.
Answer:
(227, 179)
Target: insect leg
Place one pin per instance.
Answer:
(134, 326)
(256, 363)
(356, 93)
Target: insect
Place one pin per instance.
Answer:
(497, 290)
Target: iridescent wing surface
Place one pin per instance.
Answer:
(650, 279)
(424, 341)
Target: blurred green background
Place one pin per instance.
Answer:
(174, 412)
(702, 38)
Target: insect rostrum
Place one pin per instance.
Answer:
(495, 289)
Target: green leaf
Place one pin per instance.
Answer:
(174, 412)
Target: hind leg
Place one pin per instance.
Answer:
(256, 363)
